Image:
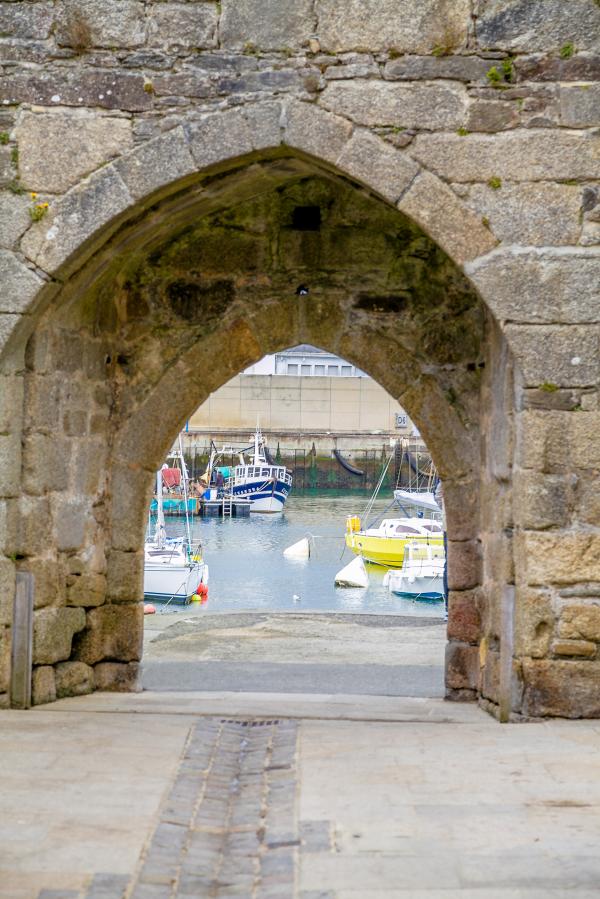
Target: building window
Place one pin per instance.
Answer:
(320, 370)
(292, 369)
(305, 370)
(346, 371)
(333, 371)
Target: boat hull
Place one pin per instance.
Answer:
(269, 498)
(164, 582)
(386, 551)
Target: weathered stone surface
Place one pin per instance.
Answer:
(19, 283)
(519, 155)
(584, 442)
(182, 25)
(464, 619)
(462, 666)
(491, 115)
(7, 172)
(374, 162)
(70, 519)
(425, 105)
(581, 67)
(561, 557)
(464, 564)
(219, 137)
(26, 20)
(541, 500)
(539, 214)
(532, 25)
(86, 589)
(107, 90)
(540, 440)
(437, 209)
(412, 26)
(53, 631)
(43, 686)
(80, 214)
(14, 219)
(266, 24)
(73, 679)
(125, 575)
(56, 150)
(311, 129)
(112, 23)
(567, 689)
(580, 105)
(565, 355)
(534, 623)
(574, 648)
(45, 463)
(10, 463)
(49, 582)
(429, 68)
(580, 622)
(7, 590)
(157, 163)
(112, 633)
(117, 677)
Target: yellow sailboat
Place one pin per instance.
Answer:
(385, 544)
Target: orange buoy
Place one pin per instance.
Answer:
(149, 609)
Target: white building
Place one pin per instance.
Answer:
(305, 361)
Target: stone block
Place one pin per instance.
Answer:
(560, 557)
(53, 631)
(464, 564)
(530, 25)
(5, 660)
(315, 131)
(541, 440)
(541, 500)
(541, 214)
(587, 499)
(534, 623)
(75, 218)
(111, 23)
(19, 283)
(73, 679)
(541, 67)
(461, 507)
(125, 576)
(7, 172)
(413, 26)
(566, 689)
(564, 355)
(574, 648)
(580, 622)
(580, 105)
(26, 21)
(584, 439)
(464, 619)
(86, 589)
(462, 666)
(491, 116)
(70, 515)
(58, 149)
(45, 463)
(219, 137)
(432, 68)
(377, 165)
(443, 216)
(43, 685)
(14, 218)
(7, 590)
(96, 89)
(118, 677)
(266, 24)
(185, 26)
(113, 633)
(520, 155)
(430, 105)
(10, 464)
(156, 163)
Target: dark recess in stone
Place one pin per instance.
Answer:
(306, 218)
(190, 301)
(380, 304)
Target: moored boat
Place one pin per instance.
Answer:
(386, 543)
(422, 573)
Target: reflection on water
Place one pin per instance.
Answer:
(249, 573)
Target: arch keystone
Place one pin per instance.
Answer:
(377, 165)
(310, 129)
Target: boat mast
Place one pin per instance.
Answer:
(184, 475)
(161, 533)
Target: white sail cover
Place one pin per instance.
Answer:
(420, 499)
(353, 575)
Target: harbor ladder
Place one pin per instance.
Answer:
(227, 506)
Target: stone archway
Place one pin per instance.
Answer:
(105, 346)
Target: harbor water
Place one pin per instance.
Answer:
(248, 571)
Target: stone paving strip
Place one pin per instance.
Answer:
(227, 827)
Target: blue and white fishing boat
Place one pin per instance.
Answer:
(257, 479)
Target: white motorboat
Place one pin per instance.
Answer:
(421, 575)
(173, 571)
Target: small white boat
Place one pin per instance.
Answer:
(353, 575)
(172, 572)
(421, 575)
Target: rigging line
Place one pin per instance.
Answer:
(371, 501)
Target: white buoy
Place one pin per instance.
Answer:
(299, 550)
(353, 575)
